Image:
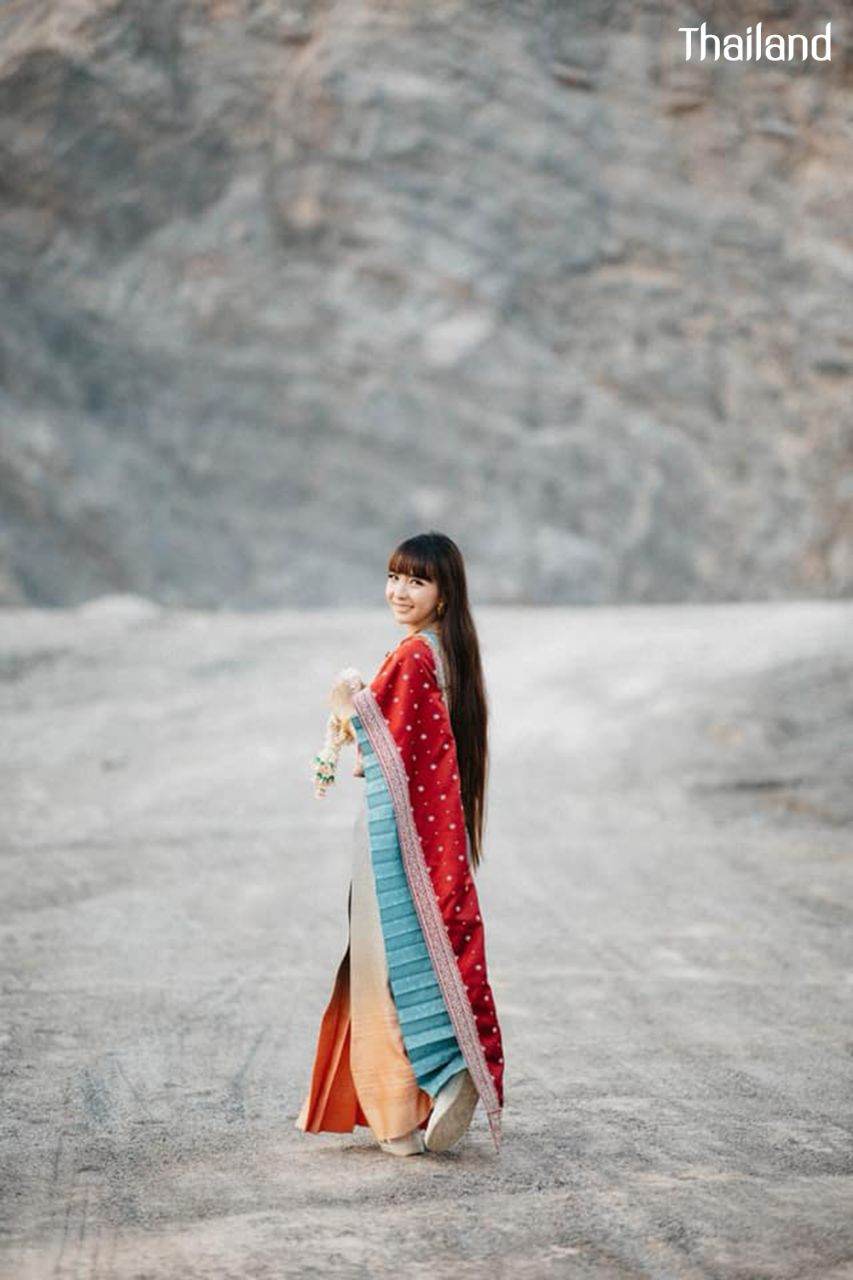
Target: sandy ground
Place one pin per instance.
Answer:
(668, 897)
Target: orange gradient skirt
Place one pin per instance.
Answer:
(361, 1073)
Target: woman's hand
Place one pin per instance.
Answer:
(346, 684)
(341, 701)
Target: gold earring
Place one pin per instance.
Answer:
(440, 607)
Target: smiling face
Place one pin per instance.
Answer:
(412, 600)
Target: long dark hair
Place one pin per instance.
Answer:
(436, 558)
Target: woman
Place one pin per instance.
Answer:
(410, 1039)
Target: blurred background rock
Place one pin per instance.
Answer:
(283, 283)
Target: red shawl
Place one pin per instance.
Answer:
(405, 716)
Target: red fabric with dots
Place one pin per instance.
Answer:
(408, 694)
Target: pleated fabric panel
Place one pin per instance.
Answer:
(426, 1028)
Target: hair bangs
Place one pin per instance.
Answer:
(411, 562)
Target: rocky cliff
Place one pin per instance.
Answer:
(282, 283)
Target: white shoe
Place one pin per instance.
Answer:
(451, 1112)
(410, 1144)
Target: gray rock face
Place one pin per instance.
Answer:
(282, 285)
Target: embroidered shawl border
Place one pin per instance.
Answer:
(429, 913)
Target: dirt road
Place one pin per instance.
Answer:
(668, 897)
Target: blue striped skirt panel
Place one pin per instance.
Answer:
(425, 1024)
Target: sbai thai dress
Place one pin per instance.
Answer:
(411, 1003)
